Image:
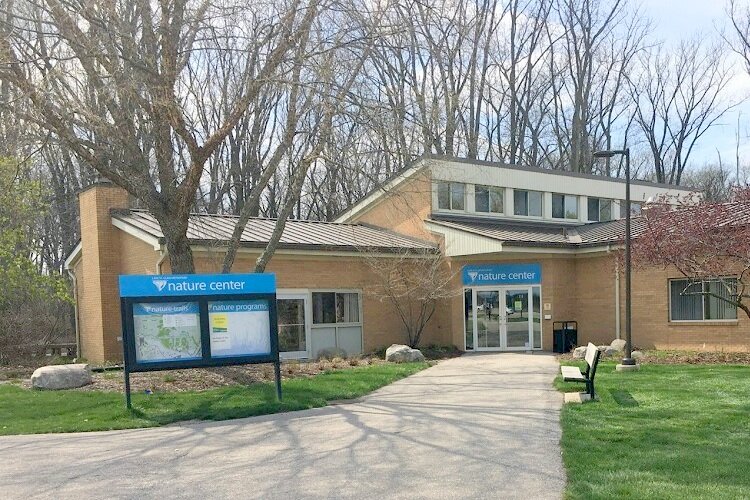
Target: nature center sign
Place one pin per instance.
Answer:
(501, 274)
(198, 320)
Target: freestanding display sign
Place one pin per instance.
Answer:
(198, 320)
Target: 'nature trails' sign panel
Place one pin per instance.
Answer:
(166, 331)
(198, 320)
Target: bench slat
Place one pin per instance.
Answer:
(572, 372)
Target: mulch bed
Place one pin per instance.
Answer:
(199, 379)
(686, 357)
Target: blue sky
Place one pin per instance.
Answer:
(677, 19)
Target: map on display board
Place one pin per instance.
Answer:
(239, 327)
(166, 331)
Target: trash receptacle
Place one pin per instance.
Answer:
(564, 336)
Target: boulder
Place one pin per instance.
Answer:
(61, 376)
(607, 350)
(579, 352)
(398, 353)
(618, 345)
(637, 355)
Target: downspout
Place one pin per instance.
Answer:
(75, 312)
(617, 298)
(163, 253)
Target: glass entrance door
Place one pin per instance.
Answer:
(517, 324)
(502, 318)
(488, 319)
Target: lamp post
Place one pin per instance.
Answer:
(628, 363)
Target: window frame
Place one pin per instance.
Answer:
(599, 209)
(497, 190)
(528, 191)
(565, 212)
(703, 302)
(450, 185)
(336, 291)
(633, 213)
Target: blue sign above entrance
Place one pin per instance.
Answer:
(501, 274)
(178, 285)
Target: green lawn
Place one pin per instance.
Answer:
(25, 411)
(667, 431)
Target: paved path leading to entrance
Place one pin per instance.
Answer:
(479, 426)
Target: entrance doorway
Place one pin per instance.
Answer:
(506, 318)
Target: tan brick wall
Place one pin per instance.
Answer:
(380, 322)
(136, 256)
(652, 328)
(594, 299)
(580, 288)
(404, 209)
(98, 305)
(651, 325)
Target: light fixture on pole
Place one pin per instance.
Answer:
(628, 363)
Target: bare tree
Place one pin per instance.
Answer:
(678, 96)
(413, 286)
(113, 81)
(739, 17)
(596, 48)
(514, 127)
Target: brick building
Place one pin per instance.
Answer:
(526, 248)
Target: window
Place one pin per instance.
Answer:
(635, 208)
(291, 322)
(488, 199)
(450, 195)
(600, 210)
(527, 203)
(564, 206)
(689, 299)
(335, 307)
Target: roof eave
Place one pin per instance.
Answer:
(259, 245)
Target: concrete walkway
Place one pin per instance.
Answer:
(479, 426)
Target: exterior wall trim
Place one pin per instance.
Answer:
(141, 235)
(74, 256)
(477, 244)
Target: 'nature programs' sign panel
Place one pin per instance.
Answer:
(239, 328)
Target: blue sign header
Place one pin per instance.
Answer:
(501, 274)
(176, 285)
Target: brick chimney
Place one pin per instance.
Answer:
(98, 296)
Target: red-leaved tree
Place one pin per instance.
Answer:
(703, 241)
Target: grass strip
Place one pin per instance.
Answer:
(666, 431)
(24, 411)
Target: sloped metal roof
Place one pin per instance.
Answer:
(542, 234)
(298, 234)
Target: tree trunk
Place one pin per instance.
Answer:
(177, 242)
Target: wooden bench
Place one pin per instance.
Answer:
(573, 373)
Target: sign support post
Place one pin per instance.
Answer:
(127, 388)
(277, 370)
